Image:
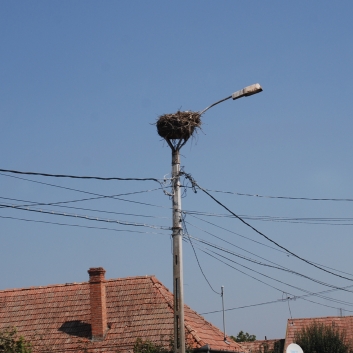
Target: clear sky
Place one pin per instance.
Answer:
(82, 83)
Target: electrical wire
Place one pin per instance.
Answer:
(240, 235)
(59, 204)
(274, 279)
(53, 185)
(139, 232)
(194, 183)
(282, 197)
(269, 285)
(159, 181)
(247, 306)
(87, 217)
(218, 237)
(236, 246)
(80, 226)
(228, 242)
(197, 259)
(264, 303)
(308, 292)
(301, 220)
(275, 266)
(82, 191)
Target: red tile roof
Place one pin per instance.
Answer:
(57, 317)
(344, 323)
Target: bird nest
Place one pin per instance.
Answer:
(180, 125)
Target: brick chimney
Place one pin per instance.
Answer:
(98, 303)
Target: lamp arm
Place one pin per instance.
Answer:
(212, 105)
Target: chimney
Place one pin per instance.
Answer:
(98, 303)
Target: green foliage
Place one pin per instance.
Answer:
(243, 337)
(278, 347)
(320, 338)
(147, 346)
(11, 342)
(141, 346)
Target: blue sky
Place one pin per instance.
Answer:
(82, 84)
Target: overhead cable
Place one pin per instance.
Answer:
(266, 303)
(80, 177)
(59, 204)
(275, 266)
(197, 259)
(230, 243)
(194, 185)
(282, 197)
(301, 220)
(86, 217)
(240, 235)
(80, 226)
(274, 279)
(269, 285)
(85, 192)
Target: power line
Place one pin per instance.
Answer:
(59, 204)
(197, 259)
(282, 197)
(85, 192)
(82, 208)
(194, 183)
(232, 232)
(266, 303)
(163, 180)
(302, 220)
(86, 217)
(278, 267)
(80, 226)
(236, 246)
(247, 306)
(159, 181)
(267, 265)
(53, 185)
(228, 242)
(269, 285)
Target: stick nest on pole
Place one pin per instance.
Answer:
(178, 126)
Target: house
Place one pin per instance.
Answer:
(343, 323)
(103, 316)
(263, 346)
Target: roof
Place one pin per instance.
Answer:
(275, 345)
(57, 317)
(344, 323)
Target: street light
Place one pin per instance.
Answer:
(245, 92)
(176, 141)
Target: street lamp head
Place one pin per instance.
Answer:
(247, 91)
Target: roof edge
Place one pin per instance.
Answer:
(7, 290)
(320, 318)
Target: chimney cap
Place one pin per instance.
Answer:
(96, 271)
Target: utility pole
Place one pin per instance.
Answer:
(178, 281)
(224, 320)
(176, 129)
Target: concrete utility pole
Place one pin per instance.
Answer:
(178, 278)
(176, 129)
(224, 319)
